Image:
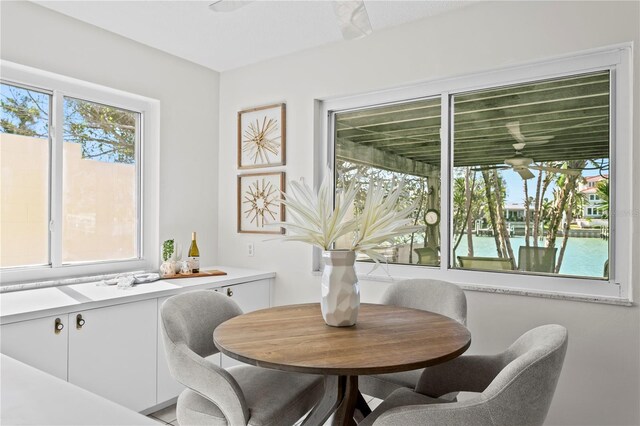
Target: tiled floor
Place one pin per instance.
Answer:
(167, 416)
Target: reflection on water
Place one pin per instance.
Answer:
(583, 256)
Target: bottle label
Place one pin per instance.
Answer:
(194, 262)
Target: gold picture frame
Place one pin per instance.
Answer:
(259, 203)
(262, 137)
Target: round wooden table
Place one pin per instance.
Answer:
(386, 339)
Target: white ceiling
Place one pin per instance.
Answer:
(221, 41)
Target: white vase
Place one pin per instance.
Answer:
(167, 268)
(340, 288)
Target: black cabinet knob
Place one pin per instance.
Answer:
(79, 321)
(58, 326)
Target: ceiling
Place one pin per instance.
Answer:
(221, 41)
(572, 112)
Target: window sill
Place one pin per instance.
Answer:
(618, 301)
(46, 276)
(62, 281)
(386, 276)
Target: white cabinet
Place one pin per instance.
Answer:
(40, 343)
(112, 352)
(109, 351)
(115, 351)
(250, 297)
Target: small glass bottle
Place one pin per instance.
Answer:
(194, 255)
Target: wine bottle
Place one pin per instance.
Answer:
(194, 254)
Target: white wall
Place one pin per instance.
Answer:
(189, 98)
(600, 381)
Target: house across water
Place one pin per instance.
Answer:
(594, 210)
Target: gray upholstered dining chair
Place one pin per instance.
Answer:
(241, 395)
(512, 388)
(436, 296)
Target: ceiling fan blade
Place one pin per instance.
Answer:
(353, 18)
(539, 139)
(496, 167)
(573, 172)
(514, 128)
(228, 5)
(524, 173)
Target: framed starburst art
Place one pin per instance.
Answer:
(259, 204)
(261, 137)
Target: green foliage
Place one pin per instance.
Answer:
(602, 190)
(413, 192)
(22, 114)
(479, 207)
(168, 248)
(105, 133)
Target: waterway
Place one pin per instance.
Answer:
(582, 257)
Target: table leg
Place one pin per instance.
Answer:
(341, 399)
(327, 405)
(348, 387)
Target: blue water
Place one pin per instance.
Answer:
(583, 256)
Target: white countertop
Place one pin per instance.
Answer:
(34, 300)
(107, 292)
(41, 302)
(32, 397)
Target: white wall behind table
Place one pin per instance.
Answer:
(482, 36)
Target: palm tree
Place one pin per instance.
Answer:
(574, 207)
(491, 209)
(567, 186)
(602, 190)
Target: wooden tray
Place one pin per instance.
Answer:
(212, 273)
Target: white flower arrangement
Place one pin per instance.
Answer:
(311, 219)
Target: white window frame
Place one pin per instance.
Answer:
(147, 159)
(617, 289)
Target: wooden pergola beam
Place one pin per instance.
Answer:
(366, 155)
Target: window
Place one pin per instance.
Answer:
(387, 143)
(523, 159)
(530, 147)
(72, 177)
(100, 185)
(24, 153)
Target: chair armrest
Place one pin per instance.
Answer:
(471, 373)
(456, 413)
(209, 380)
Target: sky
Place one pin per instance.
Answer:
(42, 101)
(514, 185)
